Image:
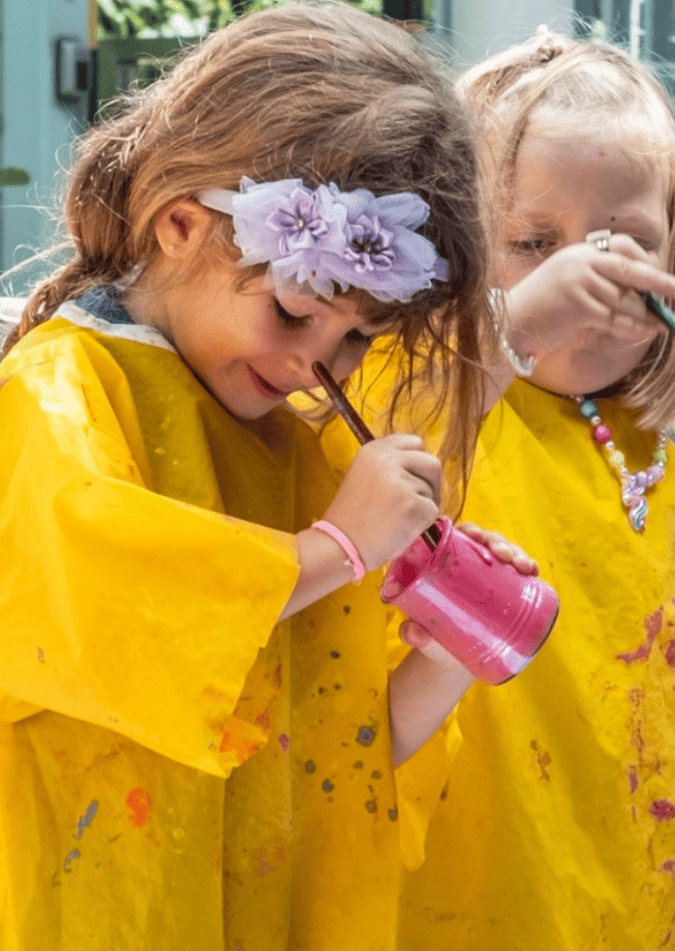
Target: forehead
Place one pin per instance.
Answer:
(554, 171)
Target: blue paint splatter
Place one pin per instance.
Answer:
(86, 819)
(75, 854)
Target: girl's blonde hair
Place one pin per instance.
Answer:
(574, 86)
(317, 91)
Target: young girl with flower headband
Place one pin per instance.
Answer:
(195, 748)
(556, 829)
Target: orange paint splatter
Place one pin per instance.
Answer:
(139, 802)
(60, 754)
(242, 748)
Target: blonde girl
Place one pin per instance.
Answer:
(556, 829)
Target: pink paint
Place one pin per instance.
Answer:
(482, 611)
(284, 742)
(663, 810)
(669, 652)
(632, 778)
(652, 625)
(668, 867)
(139, 803)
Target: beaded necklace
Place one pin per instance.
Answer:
(633, 484)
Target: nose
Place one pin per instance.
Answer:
(300, 364)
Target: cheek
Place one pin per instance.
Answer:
(515, 267)
(349, 359)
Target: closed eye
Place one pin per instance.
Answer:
(291, 321)
(359, 339)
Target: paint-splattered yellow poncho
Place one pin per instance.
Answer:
(177, 771)
(556, 831)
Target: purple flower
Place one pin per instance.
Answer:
(325, 237)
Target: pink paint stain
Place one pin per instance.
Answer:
(652, 625)
(284, 742)
(669, 652)
(668, 868)
(663, 810)
(632, 778)
(139, 802)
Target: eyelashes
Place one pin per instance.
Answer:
(297, 322)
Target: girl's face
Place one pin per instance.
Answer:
(563, 189)
(252, 350)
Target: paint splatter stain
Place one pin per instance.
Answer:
(346, 609)
(663, 810)
(139, 802)
(371, 805)
(393, 814)
(215, 694)
(335, 654)
(365, 736)
(263, 865)
(238, 946)
(543, 760)
(41, 655)
(653, 625)
(60, 753)
(669, 653)
(84, 821)
(358, 764)
(376, 774)
(263, 720)
(444, 793)
(668, 868)
(70, 858)
(632, 775)
(310, 766)
(327, 785)
(284, 742)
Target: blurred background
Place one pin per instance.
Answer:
(62, 60)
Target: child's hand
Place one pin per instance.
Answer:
(416, 636)
(581, 287)
(502, 549)
(389, 496)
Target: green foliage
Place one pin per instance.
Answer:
(145, 19)
(13, 176)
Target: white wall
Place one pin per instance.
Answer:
(37, 128)
(482, 27)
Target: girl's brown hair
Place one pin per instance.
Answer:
(570, 87)
(321, 92)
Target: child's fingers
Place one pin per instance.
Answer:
(639, 275)
(413, 634)
(501, 548)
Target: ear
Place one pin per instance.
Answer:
(180, 228)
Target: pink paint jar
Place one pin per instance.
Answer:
(491, 618)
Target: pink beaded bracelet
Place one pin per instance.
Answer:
(353, 557)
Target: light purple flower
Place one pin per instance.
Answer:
(324, 237)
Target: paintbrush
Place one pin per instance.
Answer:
(664, 313)
(358, 427)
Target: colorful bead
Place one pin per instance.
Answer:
(588, 409)
(602, 433)
(633, 484)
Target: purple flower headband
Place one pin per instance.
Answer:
(316, 238)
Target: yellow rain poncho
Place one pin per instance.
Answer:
(177, 771)
(556, 830)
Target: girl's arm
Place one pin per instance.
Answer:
(429, 682)
(387, 498)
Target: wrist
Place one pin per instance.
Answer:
(351, 555)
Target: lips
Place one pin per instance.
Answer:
(266, 388)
